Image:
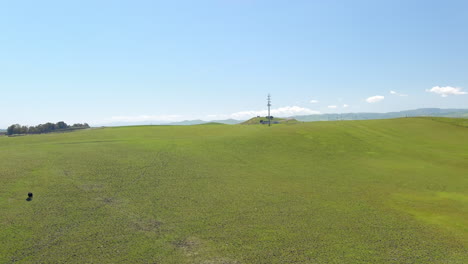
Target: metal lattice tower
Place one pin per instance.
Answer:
(269, 105)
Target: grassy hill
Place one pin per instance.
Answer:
(454, 121)
(375, 191)
(256, 120)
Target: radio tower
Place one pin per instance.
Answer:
(269, 104)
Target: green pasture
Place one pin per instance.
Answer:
(374, 191)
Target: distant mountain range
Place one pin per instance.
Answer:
(461, 113)
(199, 122)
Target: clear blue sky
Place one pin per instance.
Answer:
(108, 61)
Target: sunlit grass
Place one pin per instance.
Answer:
(377, 191)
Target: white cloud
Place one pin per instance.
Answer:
(398, 94)
(375, 99)
(280, 112)
(314, 101)
(446, 90)
(286, 111)
(332, 106)
(345, 106)
(142, 118)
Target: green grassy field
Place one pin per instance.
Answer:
(376, 191)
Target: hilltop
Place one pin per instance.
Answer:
(263, 120)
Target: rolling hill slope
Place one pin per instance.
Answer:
(374, 191)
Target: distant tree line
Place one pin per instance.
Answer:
(43, 128)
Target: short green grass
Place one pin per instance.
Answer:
(376, 191)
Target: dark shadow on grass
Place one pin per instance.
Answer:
(29, 199)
